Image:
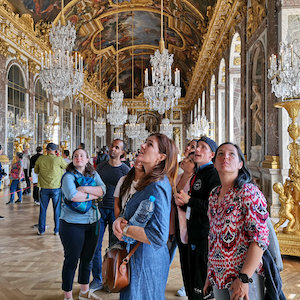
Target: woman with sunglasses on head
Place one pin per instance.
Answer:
(238, 233)
(79, 222)
(149, 265)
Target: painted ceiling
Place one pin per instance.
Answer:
(185, 24)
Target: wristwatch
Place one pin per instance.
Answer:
(244, 278)
(125, 229)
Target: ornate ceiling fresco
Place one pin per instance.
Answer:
(185, 24)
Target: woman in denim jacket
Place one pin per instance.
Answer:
(79, 231)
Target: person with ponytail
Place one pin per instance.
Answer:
(150, 263)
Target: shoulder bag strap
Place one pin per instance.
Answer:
(127, 258)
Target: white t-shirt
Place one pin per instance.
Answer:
(129, 192)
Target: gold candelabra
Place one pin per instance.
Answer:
(45, 146)
(63, 146)
(289, 193)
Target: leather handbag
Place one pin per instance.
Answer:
(116, 269)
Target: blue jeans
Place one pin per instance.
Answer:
(13, 189)
(107, 218)
(46, 194)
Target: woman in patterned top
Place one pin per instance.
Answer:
(238, 230)
(16, 175)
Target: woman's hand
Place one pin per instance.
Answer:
(81, 189)
(118, 227)
(181, 198)
(207, 287)
(239, 290)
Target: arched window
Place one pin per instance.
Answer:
(221, 103)
(78, 124)
(88, 130)
(203, 104)
(199, 107)
(40, 97)
(66, 122)
(212, 108)
(235, 90)
(16, 98)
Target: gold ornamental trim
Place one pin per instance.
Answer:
(289, 244)
(226, 15)
(271, 162)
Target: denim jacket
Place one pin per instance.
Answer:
(69, 190)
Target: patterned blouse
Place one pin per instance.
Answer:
(239, 220)
(15, 169)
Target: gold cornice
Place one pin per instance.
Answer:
(226, 15)
(17, 32)
(4, 48)
(32, 67)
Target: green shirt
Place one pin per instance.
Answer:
(50, 169)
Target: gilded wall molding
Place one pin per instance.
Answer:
(255, 15)
(18, 32)
(227, 14)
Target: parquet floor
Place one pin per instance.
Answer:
(30, 265)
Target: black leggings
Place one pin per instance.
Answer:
(79, 242)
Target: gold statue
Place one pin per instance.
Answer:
(287, 206)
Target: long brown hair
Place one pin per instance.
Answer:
(168, 167)
(89, 169)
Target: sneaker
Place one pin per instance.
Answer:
(56, 233)
(96, 286)
(181, 292)
(40, 233)
(10, 202)
(18, 201)
(88, 295)
(37, 203)
(2, 218)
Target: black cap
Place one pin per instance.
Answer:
(211, 143)
(51, 147)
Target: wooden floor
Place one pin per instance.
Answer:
(31, 264)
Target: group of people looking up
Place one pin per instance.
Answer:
(212, 211)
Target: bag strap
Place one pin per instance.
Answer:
(127, 258)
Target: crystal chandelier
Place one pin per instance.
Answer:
(132, 129)
(284, 71)
(62, 74)
(162, 94)
(19, 126)
(166, 128)
(118, 133)
(198, 128)
(117, 113)
(100, 127)
(144, 133)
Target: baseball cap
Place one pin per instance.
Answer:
(211, 143)
(51, 147)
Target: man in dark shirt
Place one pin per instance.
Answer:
(110, 172)
(33, 176)
(196, 204)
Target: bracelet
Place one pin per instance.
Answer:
(125, 229)
(87, 196)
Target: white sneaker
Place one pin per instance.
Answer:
(181, 292)
(88, 295)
